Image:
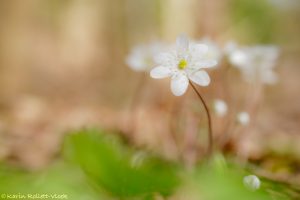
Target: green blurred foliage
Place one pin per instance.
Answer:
(226, 184)
(60, 179)
(118, 169)
(254, 20)
(100, 165)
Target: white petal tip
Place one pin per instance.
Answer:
(179, 84)
(201, 78)
(160, 72)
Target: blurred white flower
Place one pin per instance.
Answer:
(184, 63)
(256, 63)
(141, 57)
(243, 118)
(252, 182)
(230, 47)
(220, 107)
(214, 52)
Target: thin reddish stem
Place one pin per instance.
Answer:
(210, 134)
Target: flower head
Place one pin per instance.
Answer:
(141, 57)
(183, 64)
(252, 182)
(220, 107)
(243, 118)
(256, 63)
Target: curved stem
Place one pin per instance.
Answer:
(210, 134)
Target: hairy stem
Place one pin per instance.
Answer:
(210, 134)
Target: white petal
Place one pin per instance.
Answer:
(200, 78)
(230, 47)
(198, 49)
(206, 64)
(160, 72)
(136, 63)
(238, 58)
(165, 58)
(179, 84)
(182, 44)
(273, 52)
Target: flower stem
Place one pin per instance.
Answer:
(210, 134)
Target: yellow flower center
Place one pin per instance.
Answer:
(182, 64)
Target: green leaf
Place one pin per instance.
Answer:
(60, 179)
(118, 168)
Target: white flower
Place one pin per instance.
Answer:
(256, 63)
(243, 118)
(220, 107)
(252, 182)
(183, 64)
(230, 47)
(213, 52)
(141, 57)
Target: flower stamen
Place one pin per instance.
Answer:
(182, 64)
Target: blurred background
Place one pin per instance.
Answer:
(62, 67)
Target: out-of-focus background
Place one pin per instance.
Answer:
(62, 67)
